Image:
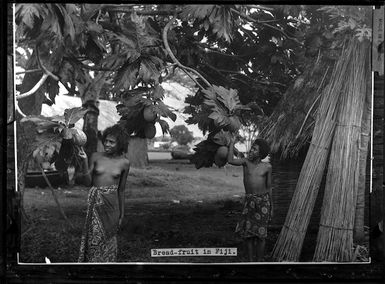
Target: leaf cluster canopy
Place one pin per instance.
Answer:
(256, 51)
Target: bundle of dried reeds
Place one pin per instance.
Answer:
(289, 244)
(359, 221)
(335, 236)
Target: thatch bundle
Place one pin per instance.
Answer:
(290, 126)
(289, 244)
(359, 233)
(335, 236)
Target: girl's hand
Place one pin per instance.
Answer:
(82, 154)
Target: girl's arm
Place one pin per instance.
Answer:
(230, 155)
(121, 190)
(87, 171)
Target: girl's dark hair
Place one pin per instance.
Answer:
(120, 135)
(264, 148)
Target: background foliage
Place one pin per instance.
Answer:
(257, 51)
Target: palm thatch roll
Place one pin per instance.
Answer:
(335, 236)
(289, 244)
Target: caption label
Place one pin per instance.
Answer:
(193, 252)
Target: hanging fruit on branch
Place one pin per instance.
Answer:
(213, 150)
(78, 137)
(58, 129)
(141, 108)
(149, 130)
(225, 107)
(224, 110)
(220, 157)
(149, 114)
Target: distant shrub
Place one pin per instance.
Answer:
(165, 146)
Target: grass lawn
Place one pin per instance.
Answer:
(170, 204)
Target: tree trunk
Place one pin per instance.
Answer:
(137, 152)
(90, 96)
(358, 233)
(90, 99)
(90, 128)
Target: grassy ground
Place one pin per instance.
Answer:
(168, 205)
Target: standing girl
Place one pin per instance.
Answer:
(107, 175)
(257, 208)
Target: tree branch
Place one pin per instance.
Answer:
(28, 71)
(142, 13)
(51, 74)
(43, 67)
(260, 7)
(99, 15)
(19, 110)
(92, 68)
(34, 89)
(244, 75)
(55, 197)
(129, 8)
(210, 50)
(265, 24)
(42, 79)
(70, 91)
(106, 6)
(235, 56)
(228, 71)
(253, 79)
(175, 60)
(240, 80)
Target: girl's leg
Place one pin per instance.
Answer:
(251, 249)
(260, 248)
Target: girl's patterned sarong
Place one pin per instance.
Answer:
(255, 216)
(99, 238)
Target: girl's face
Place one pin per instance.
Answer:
(254, 152)
(110, 144)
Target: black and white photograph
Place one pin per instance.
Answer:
(197, 133)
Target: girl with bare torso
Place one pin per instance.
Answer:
(107, 174)
(257, 209)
